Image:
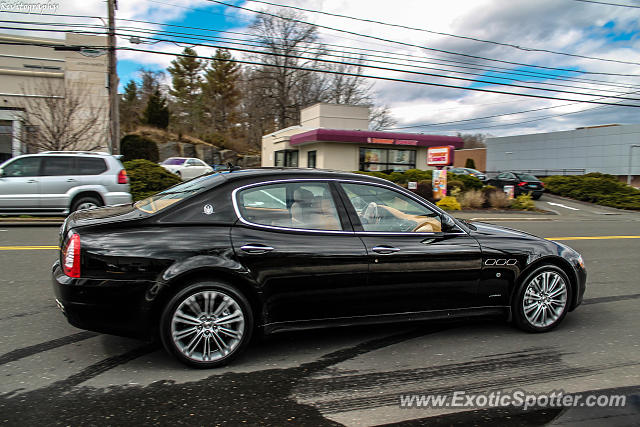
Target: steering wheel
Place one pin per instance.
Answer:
(372, 214)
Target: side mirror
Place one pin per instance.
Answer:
(1, 172)
(448, 224)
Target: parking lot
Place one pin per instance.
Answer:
(53, 373)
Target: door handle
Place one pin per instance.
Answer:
(71, 180)
(256, 248)
(384, 250)
(31, 181)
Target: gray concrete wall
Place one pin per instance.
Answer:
(601, 149)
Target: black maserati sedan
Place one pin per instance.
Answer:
(211, 261)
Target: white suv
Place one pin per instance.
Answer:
(60, 182)
(186, 167)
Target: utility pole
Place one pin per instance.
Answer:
(112, 82)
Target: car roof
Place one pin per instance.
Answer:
(277, 173)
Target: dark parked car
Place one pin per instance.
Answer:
(206, 263)
(523, 183)
(469, 171)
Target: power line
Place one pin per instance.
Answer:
(397, 56)
(475, 39)
(393, 79)
(367, 66)
(492, 116)
(376, 67)
(609, 4)
(414, 45)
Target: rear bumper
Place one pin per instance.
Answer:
(115, 307)
(117, 198)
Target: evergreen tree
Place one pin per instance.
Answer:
(156, 113)
(221, 95)
(129, 107)
(186, 80)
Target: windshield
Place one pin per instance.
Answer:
(527, 177)
(173, 161)
(172, 195)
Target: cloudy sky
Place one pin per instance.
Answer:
(597, 54)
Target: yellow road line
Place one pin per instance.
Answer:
(27, 248)
(592, 237)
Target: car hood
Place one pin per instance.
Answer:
(497, 239)
(104, 215)
(491, 230)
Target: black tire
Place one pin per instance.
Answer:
(536, 196)
(199, 289)
(85, 200)
(520, 318)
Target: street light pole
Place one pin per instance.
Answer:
(112, 82)
(631, 147)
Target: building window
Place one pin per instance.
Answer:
(311, 159)
(386, 160)
(6, 139)
(287, 158)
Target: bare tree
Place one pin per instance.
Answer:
(63, 117)
(286, 40)
(380, 118)
(476, 140)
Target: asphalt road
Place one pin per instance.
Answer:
(53, 373)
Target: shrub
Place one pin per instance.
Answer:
(470, 163)
(454, 186)
(147, 178)
(498, 200)
(425, 190)
(138, 147)
(449, 203)
(523, 202)
(595, 187)
(473, 199)
(468, 182)
(410, 175)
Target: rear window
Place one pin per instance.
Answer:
(173, 161)
(179, 192)
(89, 166)
(527, 177)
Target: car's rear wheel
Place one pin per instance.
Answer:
(85, 202)
(536, 196)
(207, 324)
(542, 300)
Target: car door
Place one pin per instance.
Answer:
(506, 178)
(295, 241)
(414, 265)
(20, 184)
(191, 169)
(58, 177)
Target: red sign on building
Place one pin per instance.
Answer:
(440, 156)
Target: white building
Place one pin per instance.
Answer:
(25, 66)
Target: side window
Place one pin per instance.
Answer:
(191, 162)
(384, 210)
(89, 166)
(501, 176)
(27, 166)
(57, 166)
(292, 205)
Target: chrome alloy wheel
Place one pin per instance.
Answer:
(545, 299)
(207, 326)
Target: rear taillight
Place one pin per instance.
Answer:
(122, 177)
(522, 184)
(541, 184)
(71, 257)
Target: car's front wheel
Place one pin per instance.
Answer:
(207, 324)
(85, 202)
(542, 299)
